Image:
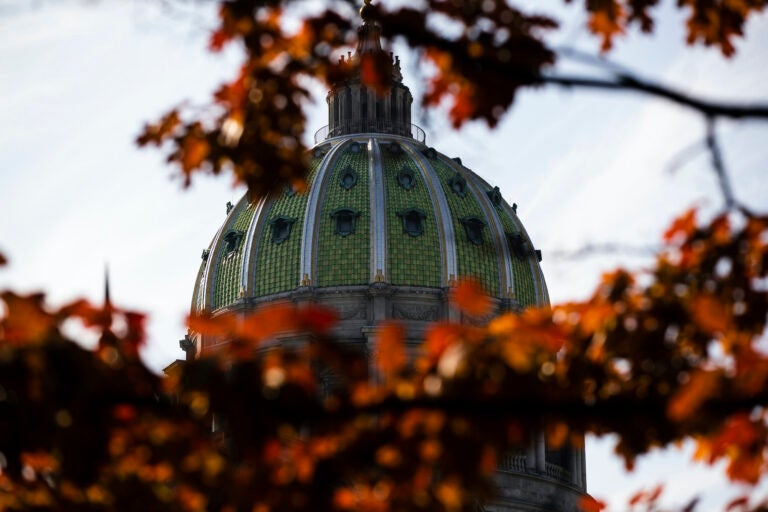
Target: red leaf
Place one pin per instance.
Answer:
(701, 386)
(390, 350)
(590, 504)
(682, 226)
(471, 299)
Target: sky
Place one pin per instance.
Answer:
(78, 79)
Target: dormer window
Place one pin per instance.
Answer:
(406, 179)
(344, 221)
(458, 185)
(394, 148)
(473, 227)
(281, 229)
(348, 178)
(232, 241)
(517, 245)
(413, 221)
(429, 153)
(495, 196)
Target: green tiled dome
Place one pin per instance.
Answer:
(380, 208)
(386, 226)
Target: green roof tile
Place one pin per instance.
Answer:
(411, 260)
(345, 260)
(476, 261)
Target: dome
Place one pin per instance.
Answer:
(386, 226)
(380, 209)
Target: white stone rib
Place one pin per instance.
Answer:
(309, 231)
(249, 251)
(378, 213)
(443, 212)
(211, 267)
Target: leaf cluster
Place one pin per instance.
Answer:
(269, 425)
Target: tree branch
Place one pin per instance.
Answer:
(624, 82)
(719, 166)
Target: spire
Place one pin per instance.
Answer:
(107, 300)
(372, 98)
(369, 33)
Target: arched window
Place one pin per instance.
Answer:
(458, 185)
(281, 229)
(344, 221)
(473, 227)
(495, 196)
(413, 221)
(232, 241)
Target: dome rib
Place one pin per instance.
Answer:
(378, 270)
(443, 213)
(307, 271)
(208, 279)
(227, 270)
(251, 246)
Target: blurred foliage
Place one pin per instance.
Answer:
(657, 357)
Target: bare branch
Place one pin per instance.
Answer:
(719, 166)
(591, 250)
(624, 82)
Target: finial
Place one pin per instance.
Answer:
(367, 11)
(107, 300)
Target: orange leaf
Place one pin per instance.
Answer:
(390, 350)
(194, 151)
(695, 392)
(682, 226)
(25, 320)
(471, 299)
(215, 326)
(344, 499)
(590, 504)
(317, 319)
(710, 314)
(739, 503)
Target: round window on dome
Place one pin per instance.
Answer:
(348, 178)
(406, 179)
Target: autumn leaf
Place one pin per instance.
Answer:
(607, 23)
(701, 385)
(682, 227)
(390, 350)
(710, 314)
(589, 504)
(194, 150)
(25, 320)
(471, 299)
